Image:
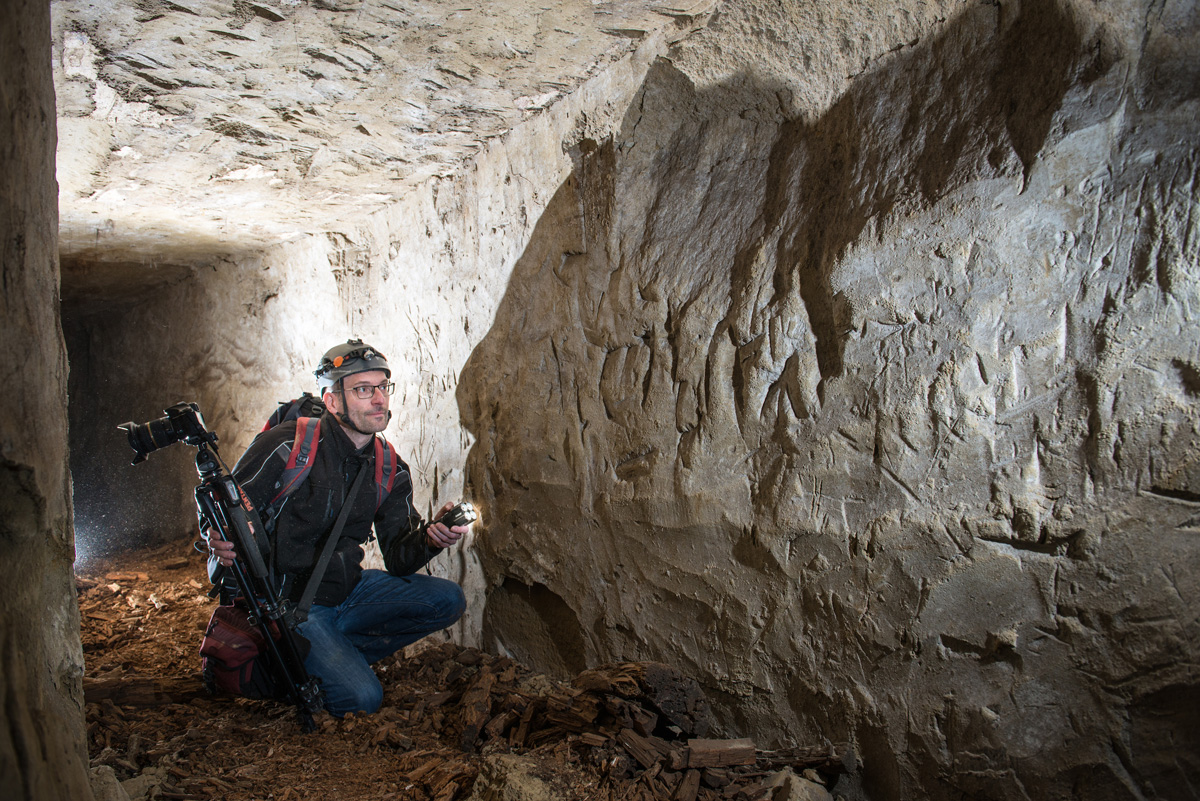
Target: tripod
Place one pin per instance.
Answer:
(224, 508)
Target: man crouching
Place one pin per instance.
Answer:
(299, 474)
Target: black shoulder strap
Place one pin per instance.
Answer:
(310, 589)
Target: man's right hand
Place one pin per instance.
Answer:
(220, 548)
(440, 535)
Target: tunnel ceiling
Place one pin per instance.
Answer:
(192, 130)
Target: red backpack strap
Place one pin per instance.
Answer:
(387, 465)
(300, 461)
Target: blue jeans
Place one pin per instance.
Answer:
(382, 614)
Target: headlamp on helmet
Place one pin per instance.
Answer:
(345, 360)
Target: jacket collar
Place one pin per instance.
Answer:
(337, 436)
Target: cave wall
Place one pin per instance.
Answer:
(858, 374)
(42, 753)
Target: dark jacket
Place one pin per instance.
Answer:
(308, 514)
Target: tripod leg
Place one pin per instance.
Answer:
(277, 628)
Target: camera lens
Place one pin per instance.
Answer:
(147, 437)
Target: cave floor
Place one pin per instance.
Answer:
(449, 716)
(148, 713)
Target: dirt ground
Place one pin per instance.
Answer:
(149, 715)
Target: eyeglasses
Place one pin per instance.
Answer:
(367, 391)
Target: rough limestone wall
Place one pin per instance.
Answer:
(424, 280)
(858, 375)
(42, 751)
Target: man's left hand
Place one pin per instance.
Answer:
(442, 536)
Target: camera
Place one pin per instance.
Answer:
(181, 423)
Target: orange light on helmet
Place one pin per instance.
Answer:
(337, 361)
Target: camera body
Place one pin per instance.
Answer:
(180, 423)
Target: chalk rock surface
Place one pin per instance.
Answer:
(862, 380)
(192, 128)
(42, 749)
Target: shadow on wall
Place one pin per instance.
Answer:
(639, 226)
(966, 106)
(614, 429)
(550, 635)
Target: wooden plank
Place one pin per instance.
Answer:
(669, 782)
(720, 753)
(500, 724)
(382, 732)
(450, 774)
(417, 774)
(475, 709)
(469, 656)
(546, 736)
(575, 710)
(644, 723)
(141, 691)
(639, 748)
(418, 712)
(519, 734)
(632, 715)
(506, 670)
(833, 758)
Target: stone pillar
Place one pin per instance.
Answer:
(42, 748)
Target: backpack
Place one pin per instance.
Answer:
(307, 405)
(234, 655)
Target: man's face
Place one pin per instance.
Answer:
(369, 415)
